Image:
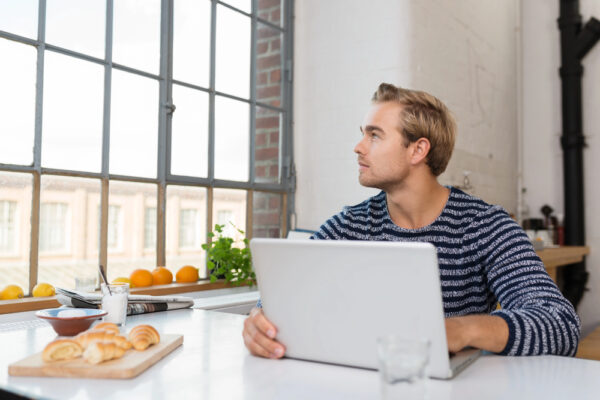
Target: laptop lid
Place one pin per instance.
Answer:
(331, 300)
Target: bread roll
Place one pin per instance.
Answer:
(98, 352)
(61, 349)
(88, 337)
(107, 326)
(143, 336)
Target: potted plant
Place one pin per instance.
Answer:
(226, 261)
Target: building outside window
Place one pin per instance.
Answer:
(115, 228)
(8, 227)
(149, 227)
(188, 228)
(53, 227)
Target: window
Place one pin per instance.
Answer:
(188, 228)
(114, 227)
(8, 227)
(189, 95)
(53, 227)
(150, 227)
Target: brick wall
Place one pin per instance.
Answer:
(267, 206)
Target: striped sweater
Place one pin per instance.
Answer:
(484, 258)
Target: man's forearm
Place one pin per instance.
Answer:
(487, 332)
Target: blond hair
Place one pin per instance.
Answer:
(423, 116)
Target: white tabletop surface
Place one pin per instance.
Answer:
(213, 364)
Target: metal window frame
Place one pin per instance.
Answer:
(286, 185)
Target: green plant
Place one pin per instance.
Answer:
(226, 261)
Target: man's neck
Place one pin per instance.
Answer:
(416, 204)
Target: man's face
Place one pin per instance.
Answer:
(383, 159)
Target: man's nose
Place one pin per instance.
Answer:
(359, 148)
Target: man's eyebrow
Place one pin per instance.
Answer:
(371, 128)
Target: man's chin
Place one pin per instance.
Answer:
(367, 183)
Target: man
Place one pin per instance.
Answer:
(484, 256)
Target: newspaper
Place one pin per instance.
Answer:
(136, 304)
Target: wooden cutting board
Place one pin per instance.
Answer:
(130, 365)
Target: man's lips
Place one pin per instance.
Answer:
(362, 166)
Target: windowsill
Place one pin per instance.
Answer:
(40, 303)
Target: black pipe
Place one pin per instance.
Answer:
(575, 43)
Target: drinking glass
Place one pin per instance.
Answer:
(402, 364)
(115, 302)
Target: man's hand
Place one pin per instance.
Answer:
(486, 332)
(259, 336)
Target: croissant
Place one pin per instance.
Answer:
(97, 352)
(61, 349)
(143, 336)
(107, 326)
(88, 337)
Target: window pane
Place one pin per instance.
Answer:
(189, 228)
(191, 41)
(267, 145)
(182, 202)
(15, 229)
(114, 240)
(76, 25)
(233, 53)
(136, 37)
(231, 139)
(17, 111)
(244, 5)
(189, 140)
(128, 203)
(68, 246)
(72, 118)
(271, 10)
(229, 207)
(134, 125)
(19, 17)
(268, 65)
(266, 214)
(150, 228)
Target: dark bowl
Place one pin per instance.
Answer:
(66, 325)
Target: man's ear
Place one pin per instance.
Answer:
(420, 149)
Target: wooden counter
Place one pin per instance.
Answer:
(560, 256)
(589, 347)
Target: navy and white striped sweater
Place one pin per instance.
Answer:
(484, 258)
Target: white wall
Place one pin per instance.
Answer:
(543, 176)
(462, 52)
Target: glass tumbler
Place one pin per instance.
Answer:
(402, 364)
(115, 302)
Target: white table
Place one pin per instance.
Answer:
(213, 364)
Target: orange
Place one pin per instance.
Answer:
(187, 273)
(141, 277)
(122, 279)
(162, 276)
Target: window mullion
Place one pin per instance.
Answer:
(288, 170)
(104, 181)
(166, 109)
(37, 148)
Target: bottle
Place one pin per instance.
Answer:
(560, 230)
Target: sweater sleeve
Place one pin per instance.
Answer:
(540, 319)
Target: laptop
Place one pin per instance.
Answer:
(330, 300)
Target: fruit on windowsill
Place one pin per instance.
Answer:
(43, 290)
(162, 276)
(187, 273)
(141, 277)
(11, 292)
(122, 279)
